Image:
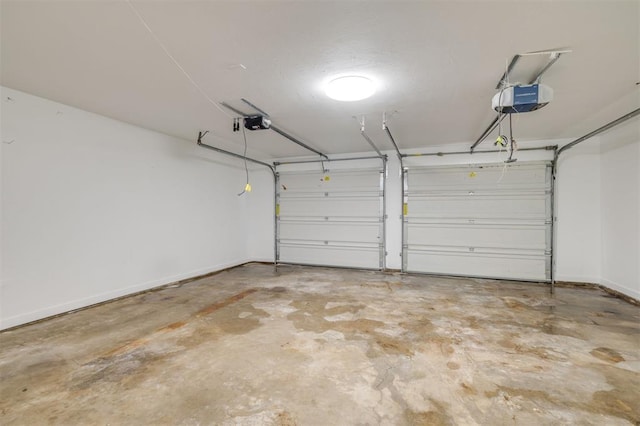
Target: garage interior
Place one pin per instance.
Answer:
(199, 228)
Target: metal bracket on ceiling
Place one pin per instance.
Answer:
(505, 77)
(254, 107)
(385, 127)
(599, 130)
(237, 111)
(367, 138)
(273, 127)
(231, 154)
(554, 55)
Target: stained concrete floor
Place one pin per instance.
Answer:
(318, 346)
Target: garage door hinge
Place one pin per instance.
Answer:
(547, 252)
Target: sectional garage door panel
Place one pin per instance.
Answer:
(333, 219)
(330, 255)
(487, 221)
(479, 235)
(362, 232)
(481, 265)
(465, 205)
(331, 205)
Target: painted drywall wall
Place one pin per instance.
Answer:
(260, 215)
(578, 236)
(620, 208)
(93, 208)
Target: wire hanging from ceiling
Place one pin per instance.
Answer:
(502, 141)
(247, 186)
(176, 63)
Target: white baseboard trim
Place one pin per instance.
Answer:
(578, 279)
(620, 288)
(27, 317)
(261, 260)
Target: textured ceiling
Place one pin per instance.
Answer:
(436, 64)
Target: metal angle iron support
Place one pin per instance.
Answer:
(492, 151)
(599, 130)
(368, 139)
(393, 141)
(496, 121)
(254, 107)
(510, 67)
(552, 61)
(372, 157)
(237, 111)
(272, 127)
(296, 141)
(490, 128)
(232, 154)
(242, 157)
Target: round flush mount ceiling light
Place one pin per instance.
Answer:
(350, 88)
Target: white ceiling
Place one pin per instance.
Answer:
(436, 63)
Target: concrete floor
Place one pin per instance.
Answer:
(318, 346)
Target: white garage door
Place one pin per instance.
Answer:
(483, 220)
(331, 219)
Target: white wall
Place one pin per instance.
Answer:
(620, 208)
(260, 219)
(599, 211)
(93, 208)
(578, 235)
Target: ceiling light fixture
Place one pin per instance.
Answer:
(350, 88)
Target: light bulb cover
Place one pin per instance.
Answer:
(350, 88)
